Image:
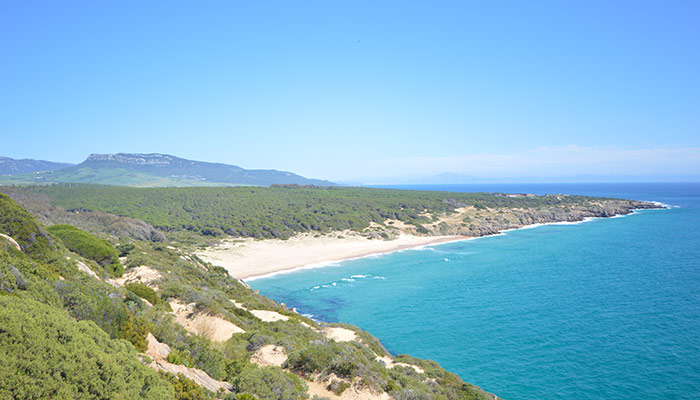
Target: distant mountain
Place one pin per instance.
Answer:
(149, 170)
(10, 166)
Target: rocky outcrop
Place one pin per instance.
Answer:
(159, 353)
(133, 158)
(472, 222)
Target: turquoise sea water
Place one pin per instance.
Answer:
(603, 309)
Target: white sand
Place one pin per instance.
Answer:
(215, 328)
(141, 274)
(389, 363)
(246, 258)
(269, 316)
(269, 355)
(319, 387)
(340, 334)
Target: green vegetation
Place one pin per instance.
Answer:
(145, 293)
(43, 354)
(90, 247)
(124, 249)
(53, 316)
(279, 212)
(270, 383)
(21, 226)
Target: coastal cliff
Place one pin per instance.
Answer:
(471, 221)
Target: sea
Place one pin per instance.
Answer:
(603, 309)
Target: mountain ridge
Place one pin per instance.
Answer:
(12, 166)
(157, 169)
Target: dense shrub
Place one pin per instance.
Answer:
(43, 354)
(346, 359)
(124, 249)
(88, 299)
(278, 212)
(90, 247)
(185, 389)
(24, 277)
(35, 242)
(144, 292)
(270, 383)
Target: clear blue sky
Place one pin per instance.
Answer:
(358, 91)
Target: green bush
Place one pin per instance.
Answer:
(270, 383)
(144, 292)
(35, 242)
(90, 247)
(124, 249)
(43, 354)
(185, 389)
(87, 299)
(180, 358)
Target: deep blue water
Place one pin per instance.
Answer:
(603, 309)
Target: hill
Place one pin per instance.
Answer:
(282, 212)
(10, 166)
(69, 331)
(151, 170)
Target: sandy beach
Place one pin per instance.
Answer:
(249, 258)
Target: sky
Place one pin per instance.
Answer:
(355, 91)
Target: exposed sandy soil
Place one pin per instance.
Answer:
(269, 316)
(269, 355)
(355, 392)
(390, 363)
(339, 334)
(263, 315)
(142, 274)
(215, 328)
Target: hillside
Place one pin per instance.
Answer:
(282, 212)
(151, 170)
(174, 327)
(11, 166)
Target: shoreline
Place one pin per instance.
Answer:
(328, 263)
(248, 259)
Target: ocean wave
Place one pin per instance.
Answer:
(426, 247)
